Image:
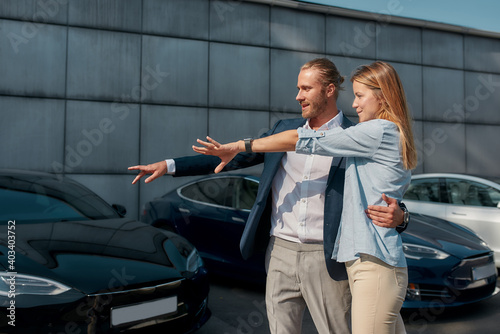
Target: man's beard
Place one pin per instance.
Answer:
(315, 108)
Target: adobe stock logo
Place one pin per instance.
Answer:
(46, 9)
(221, 7)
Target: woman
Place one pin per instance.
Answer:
(380, 154)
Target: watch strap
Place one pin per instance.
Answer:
(248, 144)
(406, 218)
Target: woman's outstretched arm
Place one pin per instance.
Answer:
(280, 142)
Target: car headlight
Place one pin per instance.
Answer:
(418, 252)
(193, 261)
(20, 284)
(184, 256)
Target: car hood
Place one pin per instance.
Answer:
(449, 237)
(97, 255)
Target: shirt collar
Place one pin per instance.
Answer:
(333, 123)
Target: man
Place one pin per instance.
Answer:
(298, 206)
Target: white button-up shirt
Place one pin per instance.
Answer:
(298, 194)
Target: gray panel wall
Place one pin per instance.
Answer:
(88, 88)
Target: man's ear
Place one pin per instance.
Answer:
(330, 90)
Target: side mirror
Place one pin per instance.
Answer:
(120, 209)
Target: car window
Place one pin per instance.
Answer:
(245, 192)
(465, 192)
(426, 190)
(41, 199)
(24, 206)
(212, 191)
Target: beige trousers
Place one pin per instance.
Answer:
(378, 291)
(297, 278)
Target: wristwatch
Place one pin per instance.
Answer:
(406, 218)
(248, 144)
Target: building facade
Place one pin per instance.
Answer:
(88, 88)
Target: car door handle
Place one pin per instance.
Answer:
(459, 214)
(238, 219)
(184, 210)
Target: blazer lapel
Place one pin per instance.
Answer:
(336, 162)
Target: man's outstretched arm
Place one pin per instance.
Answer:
(157, 169)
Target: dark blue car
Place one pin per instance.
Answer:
(71, 263)
(447, 263)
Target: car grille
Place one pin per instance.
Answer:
(464, 286)
(460, 285)
(103, 303)
(428, 292)
(93, 313)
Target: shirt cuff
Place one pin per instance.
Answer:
(307, 142)
(309, 133)
(170, 166)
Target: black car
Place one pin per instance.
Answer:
(70, 263)
(447, 264)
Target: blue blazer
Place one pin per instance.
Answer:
(256, 233)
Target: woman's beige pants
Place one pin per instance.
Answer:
(378, 291)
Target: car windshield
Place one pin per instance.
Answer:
(42, 199)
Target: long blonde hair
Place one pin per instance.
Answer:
(385, 83)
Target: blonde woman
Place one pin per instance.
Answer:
(380, 153)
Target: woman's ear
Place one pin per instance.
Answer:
(381, 100)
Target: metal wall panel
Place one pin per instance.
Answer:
(418, 135)
(101, 137)
(103, 65)
(482, 54)
(177, 18)
(174, 71)
(32, 133)
(48, 11)
(399, 43)
(170, 131)
(239, 22)
(442, 49)
(230, 125)
(481, 153)
(351, 38)
(443, 93)
(442, 148)
(239, 76)
(297, 30)
(33, 60)
(482, 98)
(109, 14)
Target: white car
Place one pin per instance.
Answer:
(463, 199)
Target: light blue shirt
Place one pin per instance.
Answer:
(374, 166)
